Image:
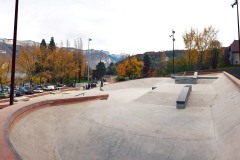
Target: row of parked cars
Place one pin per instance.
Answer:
(26, 90)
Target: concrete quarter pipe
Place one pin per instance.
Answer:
(137, 123)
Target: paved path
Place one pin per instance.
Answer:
(137, 123)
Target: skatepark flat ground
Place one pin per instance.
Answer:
(137, 123)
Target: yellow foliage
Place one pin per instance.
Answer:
(5, 66)
(130, 67)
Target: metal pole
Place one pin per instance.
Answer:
(14, 54)
(236, 3)
(173, 39)
(87, 63)
(238, 29)
(173, 51)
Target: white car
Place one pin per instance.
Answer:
(49, 87)
(38, 90)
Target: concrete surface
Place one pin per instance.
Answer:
(137, 123)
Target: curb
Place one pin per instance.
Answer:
(233, 79)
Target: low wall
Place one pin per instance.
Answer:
(233, 79)
(185, 80)
(12, 114)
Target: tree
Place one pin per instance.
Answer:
(147, 64)
(26, 61)
(43, 45)
(64, 66)
(111, 70)
(189, 42)
(100, 70)
(162, 64)
(52, 45)
(80, 60)
(41, 62)
(5, 64)
(197, 44)
(216, 53)
(203, 41)
(130, 67)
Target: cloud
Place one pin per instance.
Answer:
(131, 26)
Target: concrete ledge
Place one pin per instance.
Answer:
(233, 79)
(12, 114)
(185, 80)
(183, 97)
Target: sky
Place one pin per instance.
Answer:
(118, 26)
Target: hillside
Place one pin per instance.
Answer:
(95, 56)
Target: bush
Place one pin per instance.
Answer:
(121, 78)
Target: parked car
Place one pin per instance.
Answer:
(38, 90)
(4, 94)
(27, 91)
(19, 93)
(49, 87)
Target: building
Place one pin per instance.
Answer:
(234, 53)
(19, 42)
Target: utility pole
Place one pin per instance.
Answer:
(89, 39)
(236, 3)
(14, 54)
(173, 39)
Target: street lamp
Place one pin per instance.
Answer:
(14, 54)
(173, 39)
(89, 39)
(236, 3)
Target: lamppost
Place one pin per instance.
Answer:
(14, 54)
(89, 39)
(173, 39)
(236, 3)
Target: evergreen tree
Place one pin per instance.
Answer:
(112, 70)
(43, 45)
(52, 45)
(100, 70)
(147, 65)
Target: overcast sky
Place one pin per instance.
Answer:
(118, 26)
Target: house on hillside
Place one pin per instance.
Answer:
(234, 53)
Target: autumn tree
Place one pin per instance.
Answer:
(215, 54)
(147, 65)
(5, 64)
(26, 61)
(189, 41)
(181, 64)
(130, 67)
(197, 44)
(162, 64)
(79, 59)
(64, 66)
(41, 62)
(203, 41)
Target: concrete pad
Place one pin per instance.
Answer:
(23, 98)
(137, 123)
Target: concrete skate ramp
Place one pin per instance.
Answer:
(137, 123)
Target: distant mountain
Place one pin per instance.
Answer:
(95, 56)
(7, 49)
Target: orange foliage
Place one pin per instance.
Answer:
(130, 67)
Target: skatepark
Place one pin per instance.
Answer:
(134, 122)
